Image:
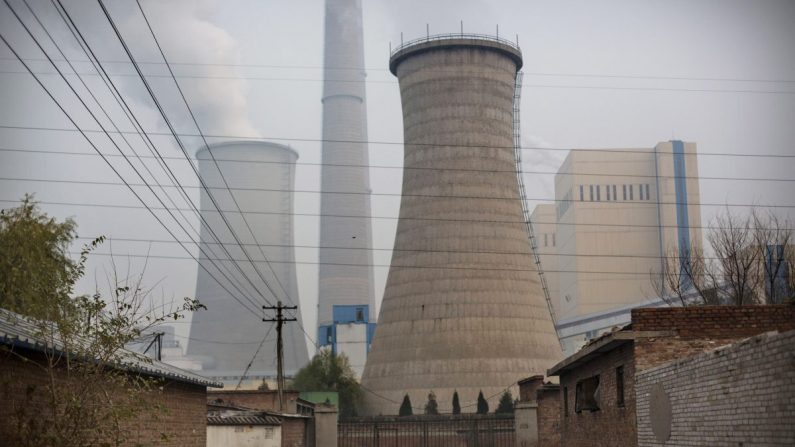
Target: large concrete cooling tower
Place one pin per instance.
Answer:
(345, 273)
(463, 309)
(226, 335)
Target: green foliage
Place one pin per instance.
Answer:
(330, 372)
(91, 397)
(483, 405)
(432, 407)
(506, 403)
(36, 273)
(456, 403)
(405, 407)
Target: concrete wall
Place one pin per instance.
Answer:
(526, 423)
(326, 419)
(612, 425)
(458, 312)
(736, 395)
(264, 174)
(243, 436)
(544, 219)
(352, 341)
(177, 409)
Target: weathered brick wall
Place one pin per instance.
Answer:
(549, 410)
(528, 388)
(294, 432)
(742, 394)
(266, 400)
(700, 328)
(23, 389)
(611, 425)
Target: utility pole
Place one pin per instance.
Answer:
(279, 320)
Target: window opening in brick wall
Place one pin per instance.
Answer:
(587, 395)
(620, 386)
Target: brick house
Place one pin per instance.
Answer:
(181, 395)
(597, 398)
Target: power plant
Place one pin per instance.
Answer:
(463, 307)
(345, 271)
(225, 337)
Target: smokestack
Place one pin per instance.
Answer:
(345, 271)
(463, 308)
(225, 336)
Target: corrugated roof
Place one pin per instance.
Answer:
(244, 419)
(19, 331)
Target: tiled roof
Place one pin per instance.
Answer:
(244, 419)
(17, 330)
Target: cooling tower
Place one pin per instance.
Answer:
(345, 271)
(463, 308)
(226, 335)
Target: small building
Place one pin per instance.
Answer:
(243, 428)
(181, 394)
(350, 333)
(598, 399)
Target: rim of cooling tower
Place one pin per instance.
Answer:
(232, 144)
(423, 44)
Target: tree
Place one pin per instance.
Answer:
(92, 395)
(456, 403)
(330, 372)
(35, 270)
(483, 405)
(750, 262)
(405, 407)
(432, 407)
(506, 403)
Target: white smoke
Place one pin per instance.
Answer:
(537, 166)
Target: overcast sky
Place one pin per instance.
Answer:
(607, 74)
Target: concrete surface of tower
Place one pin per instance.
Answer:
(226, 335)
(463, 308)
(345, 275)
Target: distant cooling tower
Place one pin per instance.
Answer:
(463, 309)
(226, 335)
(345, 274)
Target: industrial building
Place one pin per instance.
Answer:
(618, 214)
(345, 272)
(463, 307)
(349, 333)
(225, 337)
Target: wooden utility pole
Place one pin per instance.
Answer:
(280, 320)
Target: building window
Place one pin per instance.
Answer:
(359, 314)
(631, 195)
(565, 401)
(620, 386)
(625, 192)
(598, 193)
(546, 240)
(607, 187)
(590, 195)
(615, 195)
(648, 197)
(641, 191)
(329, 338)
(587, 395)
(582, 196)
(553, 239)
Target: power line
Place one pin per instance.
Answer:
(615, 203)
(419, 168)
(69, 117)
(378, 69)
(395, 143)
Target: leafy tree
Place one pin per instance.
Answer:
(483, 405)
(506, 403)
(432, 407)
(91, 396)
(35, 270)
(456, 403)
(330, 372)
(405, 407)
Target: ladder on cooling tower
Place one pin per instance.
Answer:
(517, 144)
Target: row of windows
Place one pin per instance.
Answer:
(547, 239)
(611, 192)
(587, 395)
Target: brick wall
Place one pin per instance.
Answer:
(737, 395)
(549, 410)
(266, 400)
(701, 328)
(528, 388)
(23, 390)
(611, 425)
(294, 432)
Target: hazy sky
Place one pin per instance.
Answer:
(608, 74)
